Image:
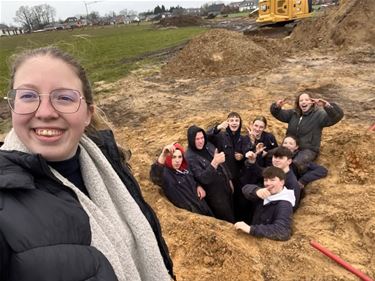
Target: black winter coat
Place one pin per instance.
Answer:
(308, 127)
(226, 142)
(273, 220)
(180, 188)
(44, 232)
(215, 182)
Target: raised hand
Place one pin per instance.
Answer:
(280, 103)
(251, 156)
(223, 125)
(250, 134)
(263, 193)
(218, 158)
(320, 102)
(259, 148)
(168, 149)
(238, 156)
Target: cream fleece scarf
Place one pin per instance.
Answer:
(119, 228)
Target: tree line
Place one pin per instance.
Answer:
(36, 17)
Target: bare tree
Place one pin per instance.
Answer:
(127, 12)
(49, 13)
(35, 17)
(24, 17)
(37, 12)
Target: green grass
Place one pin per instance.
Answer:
(102, 50)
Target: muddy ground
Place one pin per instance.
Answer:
(220, 72)
(154, 106)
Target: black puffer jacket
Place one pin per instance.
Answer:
(308, 127)
(44, 232)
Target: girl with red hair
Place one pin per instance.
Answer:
(170, 171)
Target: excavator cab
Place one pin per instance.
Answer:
(278, 11)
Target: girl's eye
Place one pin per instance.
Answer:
(27, 95)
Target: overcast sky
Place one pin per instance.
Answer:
(68, 8)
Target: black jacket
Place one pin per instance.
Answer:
(214, 181)
(44, 232)
(273, 220)
(180, 188)
(308, 127)
(228, 143)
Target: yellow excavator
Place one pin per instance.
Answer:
(278, 11)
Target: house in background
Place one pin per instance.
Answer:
(215, 9)
(248, 5)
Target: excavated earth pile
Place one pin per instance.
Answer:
(219, 53)
(351, 24)
(181, 21)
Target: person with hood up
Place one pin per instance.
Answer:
(306, 121)
(273, 213)
(209, 170)
(170, 171)
(227, 137)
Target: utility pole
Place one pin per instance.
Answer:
(87, 3)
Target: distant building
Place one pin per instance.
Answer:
(215, 9)
(234, 4)
(193, 11)
(3, 30)
(248, 5)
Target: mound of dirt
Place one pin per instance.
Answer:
(219, 53)
(351, 24)
(181, 21)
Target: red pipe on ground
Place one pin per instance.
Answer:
(340, 261)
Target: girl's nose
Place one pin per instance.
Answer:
(46, 109)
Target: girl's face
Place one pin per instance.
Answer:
(305, 102)
(258, 128)
(234, 123)
(177, 159)
(46, 131)
(290, 143)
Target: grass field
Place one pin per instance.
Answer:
(102, 50)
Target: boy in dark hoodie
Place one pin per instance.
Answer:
(274, 203)
(209, 170)
(227, 137)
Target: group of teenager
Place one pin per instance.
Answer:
(249, 179)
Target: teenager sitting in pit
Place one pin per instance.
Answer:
(227, 137)
(273, 214)
(258, 136)
(170, 171)
(281, 158)
(312, 171)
